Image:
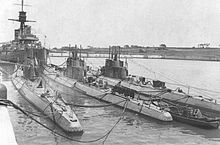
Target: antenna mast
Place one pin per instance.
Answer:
(22, 18)
(22, 5)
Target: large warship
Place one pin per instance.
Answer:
(110, 84)
(14, 50)
(29, 84)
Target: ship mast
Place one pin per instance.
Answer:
(22, 18)
(22, 5)
(26, 40)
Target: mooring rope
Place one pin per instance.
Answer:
(60, 64)
(122, 116)
(74, 86)
(8, 62)
(51, 103)
(105, 136)
(84, 95)
(90, 106)
(78, 105)
(95, 106)
(37, 114)
(196, 89)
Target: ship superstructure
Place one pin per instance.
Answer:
(24, 40)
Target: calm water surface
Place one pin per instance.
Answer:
(132, 129)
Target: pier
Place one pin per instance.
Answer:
(7, 136)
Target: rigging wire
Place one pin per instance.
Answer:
(180, 83)
(94, 106)
(177, 82)
(150, 70)
(196, 89)
(105, 136)
(89, 106)
(62, 64)
(80, 105)
(8, 62)
(122, 116)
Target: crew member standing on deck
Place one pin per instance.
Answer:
(197, 113)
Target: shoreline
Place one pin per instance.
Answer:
(140, 56)
(172, 53)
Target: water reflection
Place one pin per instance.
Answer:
(133, 128)
(8, 70)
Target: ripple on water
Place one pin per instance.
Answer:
(132, 129)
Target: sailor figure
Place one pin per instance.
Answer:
(45, 94)
(197, 113)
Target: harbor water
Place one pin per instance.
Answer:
(133, 129)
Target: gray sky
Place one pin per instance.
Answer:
(118, 22)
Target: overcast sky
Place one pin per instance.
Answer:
(117, 22)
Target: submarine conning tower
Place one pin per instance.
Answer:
(114, 67)
(76, 67)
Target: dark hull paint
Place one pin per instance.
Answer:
(147, 91)
(196, 122)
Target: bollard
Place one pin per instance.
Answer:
(3, 91)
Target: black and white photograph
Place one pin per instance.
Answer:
(109, 72)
